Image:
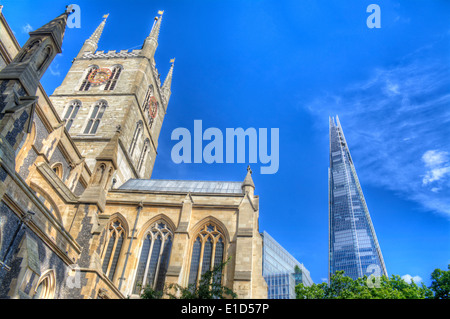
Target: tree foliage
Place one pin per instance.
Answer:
(440, 283)
(209, 287)
(343, 287)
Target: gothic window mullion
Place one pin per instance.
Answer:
(195, 261)
(213, 254)
(116, 238)
(108, 252)
(144, 281)
(115, 259)
(154, 259)
(158, 265)
(200, 264)
(142, 263)
(164, 263)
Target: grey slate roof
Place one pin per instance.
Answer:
(182, 186)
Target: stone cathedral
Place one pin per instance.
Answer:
(80, 216)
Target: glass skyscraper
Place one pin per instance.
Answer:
(281, 270)
(353, 245)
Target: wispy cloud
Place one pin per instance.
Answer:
(438, 164)
(27, 28)
(397, 124)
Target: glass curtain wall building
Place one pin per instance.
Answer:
(281, 270)
(353, 244)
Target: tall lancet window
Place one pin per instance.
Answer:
(144, 153)
(154, 258)
(95, 118)
(137, 134)
(85, 85)
(207, 253)
(111, 252)
(71, 113)
(112, 81)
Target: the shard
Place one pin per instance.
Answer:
(353, 245)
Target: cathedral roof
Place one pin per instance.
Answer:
(183, 186)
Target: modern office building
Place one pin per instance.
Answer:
(281, 270)
(353, 244)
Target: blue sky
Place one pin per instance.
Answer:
(290, 65)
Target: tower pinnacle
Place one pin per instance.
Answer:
(154, 34)
(91, 44)
(151, 42)
(95, 37)
(166, 88)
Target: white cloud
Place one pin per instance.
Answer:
(437, 164)
(27, 28)
(53, 71)
(433, 158)
(408, 278)
(435, 174)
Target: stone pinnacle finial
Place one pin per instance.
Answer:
(154, 34)
(95, 37)
(248, 181)
(166, 88)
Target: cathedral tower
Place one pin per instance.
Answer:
(106, 92)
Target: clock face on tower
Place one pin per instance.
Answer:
(99, 76)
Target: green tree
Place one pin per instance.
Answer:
(343, 287)
(440, 283)
(209, 287)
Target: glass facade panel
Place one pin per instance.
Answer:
(353, 245)
(279, 270)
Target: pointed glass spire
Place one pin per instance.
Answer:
(353, 244)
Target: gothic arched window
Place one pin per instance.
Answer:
(207, 252)
(112, 81)
(154, 258)
(85, 85)
(95, 118)
(71, 113)
(136, 135)
(111, 253)
(144, 153)
(46, 286)
(45, 57)
(148, 95)
(58, 169)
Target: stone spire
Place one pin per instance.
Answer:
(154, 34)
(151, 42)
(19, 82)
(91, 44)
(166, 88)
(248, 185)
(95, 37)
(55, 28)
